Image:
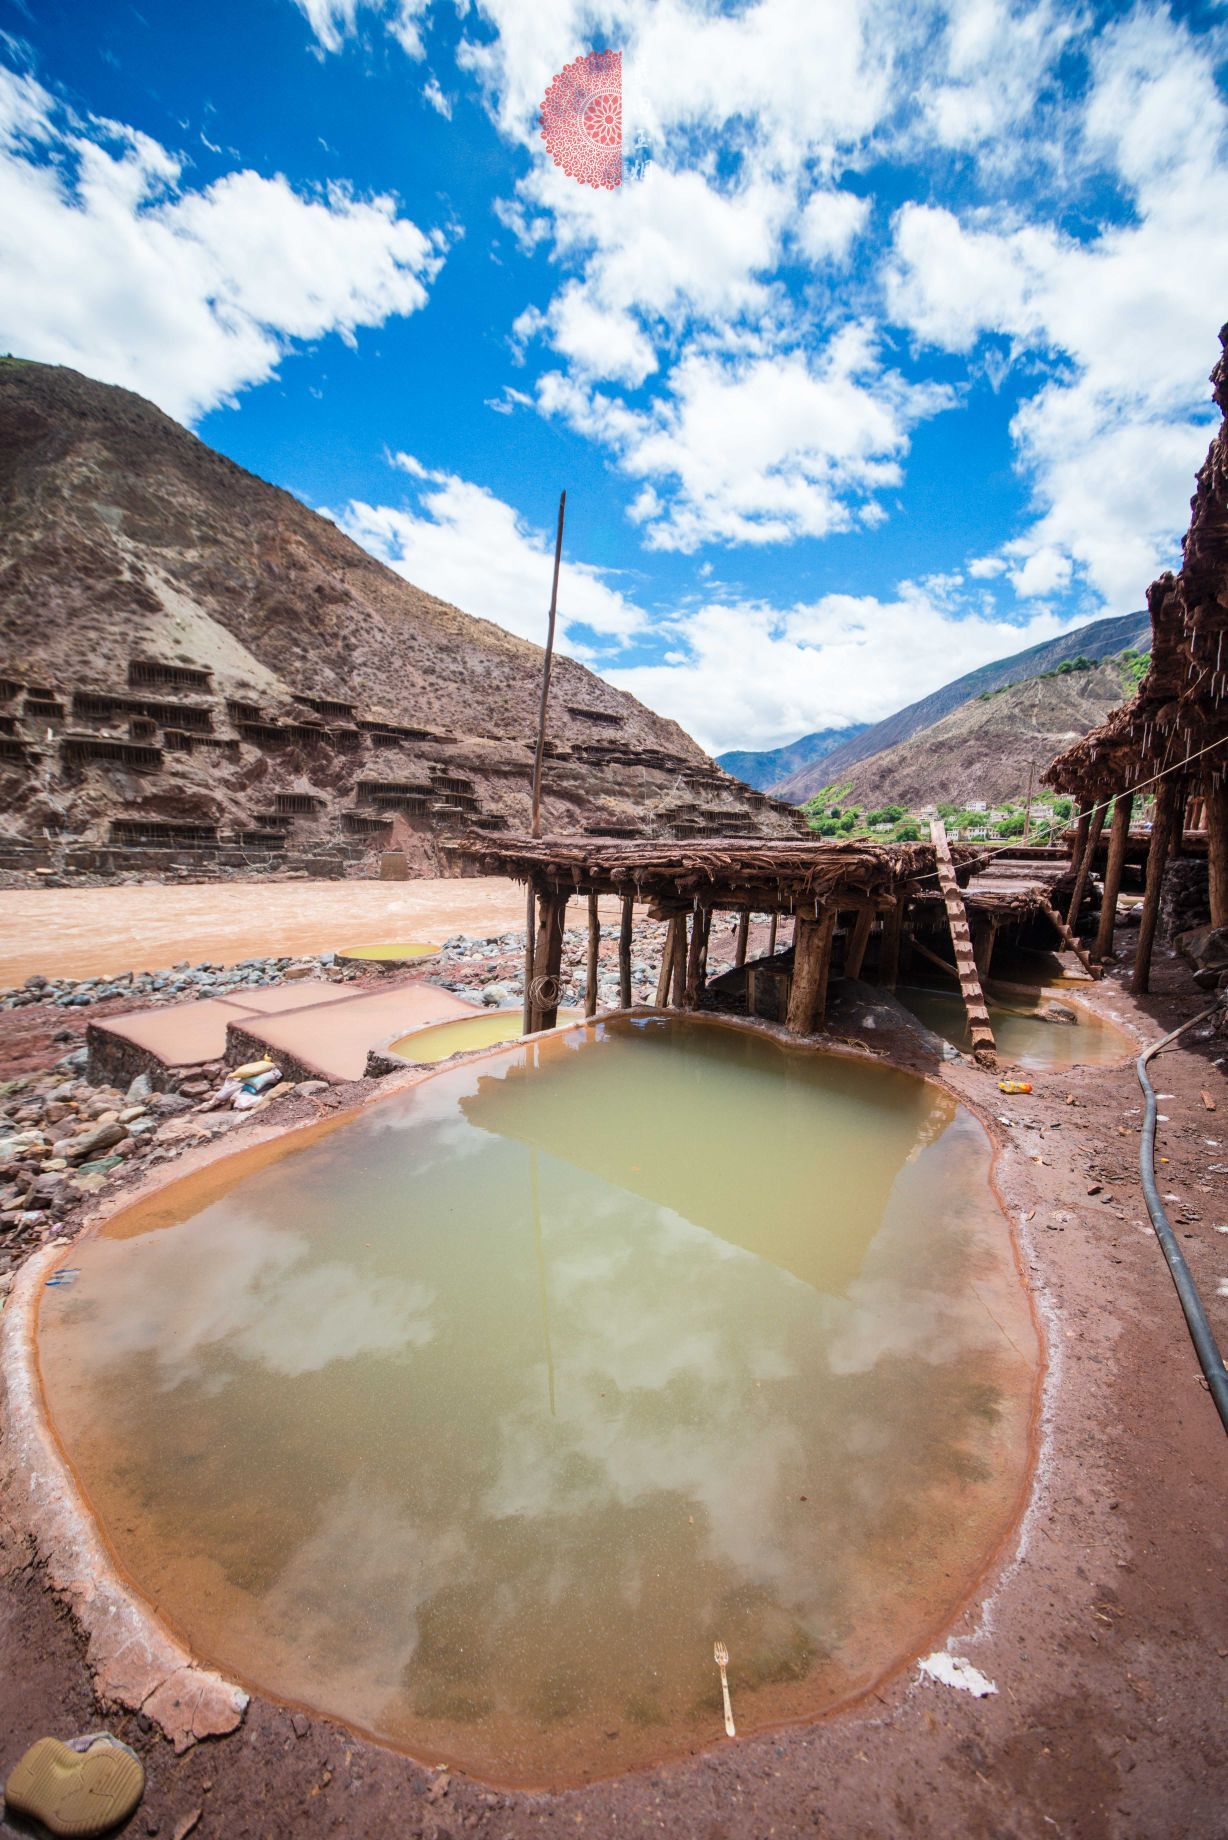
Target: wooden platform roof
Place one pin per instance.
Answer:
(761, 875)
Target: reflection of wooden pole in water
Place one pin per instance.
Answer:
(538, 757)
(541, 1276)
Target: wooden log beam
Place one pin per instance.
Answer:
(739, 952)
(1084, 870)
(694, 961)
(771, 951)
(811, 964)
(594, 956)
(984, 934)
(667, 963)
(678, 980)
(889, 956)
(1217, 848)
(1119, 837)
(624, 951)
(1170, 798)
(859, 939)
(548, 960)
(530, 928)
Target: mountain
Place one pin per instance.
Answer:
(194, 666)
(764, 770)
(1100, 639)
(983, 749)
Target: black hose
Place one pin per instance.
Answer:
(1201, 1333)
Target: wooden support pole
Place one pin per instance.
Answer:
(1217, 848)
(1083, 873)
(624, 951)
(1082, 826)
(1119, 837)
(667, 963)
(530, 928)
(889, 957)
(984, 933)
(811, 964)
(739, 952)
(703, 963)
(855, 952)
(690, 996)
(677, 994)
(771, 951)
(1170, 797)
(548, 960)
(594, 956)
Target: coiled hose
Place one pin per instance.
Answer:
(1201, 1333)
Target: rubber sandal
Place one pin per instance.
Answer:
(74, 1791)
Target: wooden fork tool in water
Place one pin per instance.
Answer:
(720, 1655)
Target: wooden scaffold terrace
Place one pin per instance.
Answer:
(1172, 740)
(828, 889)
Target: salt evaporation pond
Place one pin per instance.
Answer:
(484, 1029)
(1021, 1035)
(478, 1418)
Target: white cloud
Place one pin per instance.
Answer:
(761, 449)
(750, 674)
(1123, 321)
(469, 547)
(432, 93)
(110, 264)
(333, 21)
(830, 224)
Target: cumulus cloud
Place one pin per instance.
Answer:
(743, 674)
(110, 263)
(465, 545)
(1122, 319)
(762, 448)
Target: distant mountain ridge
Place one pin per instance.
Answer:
(765, 769)
(1099, 639)
(983, 748)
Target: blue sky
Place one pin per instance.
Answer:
(891, 359)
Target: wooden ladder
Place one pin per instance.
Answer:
(1069, 941)
(965, 959)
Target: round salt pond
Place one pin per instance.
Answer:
(476, 1419)
(485, 1029)
(1022, 1036)
(387, 954)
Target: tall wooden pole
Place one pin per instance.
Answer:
(1217, 846)
(1170, 796)
(695, 952)
(1084, 870)
(1119, 837)
(624, 952)
(539, 756)
(739, 951)
(594, 953)
(771, 951)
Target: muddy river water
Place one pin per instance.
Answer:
(478, 1420)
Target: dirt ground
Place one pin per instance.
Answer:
(1103, 1623)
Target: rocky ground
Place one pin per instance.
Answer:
(1102, 1626)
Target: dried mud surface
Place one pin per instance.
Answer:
(1103, 1623)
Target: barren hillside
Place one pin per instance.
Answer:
(192, 661)
(983, 748)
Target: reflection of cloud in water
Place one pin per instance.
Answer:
(247, 1292)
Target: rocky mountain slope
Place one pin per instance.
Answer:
(770, 766)
(1099, 639)
(196, 669)
(982, 750)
